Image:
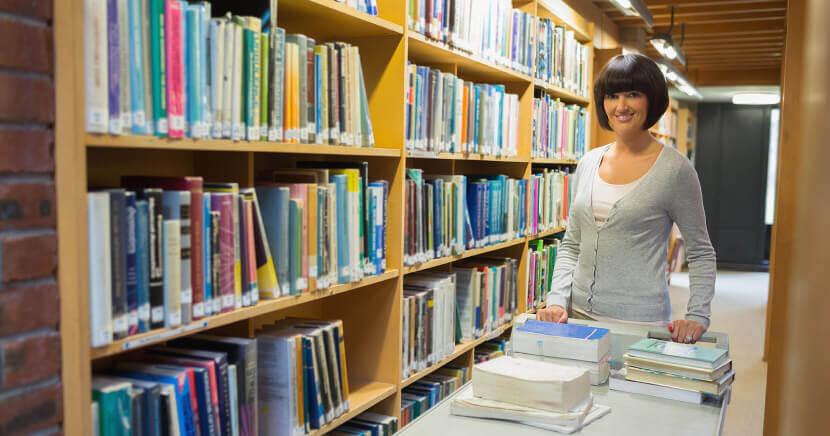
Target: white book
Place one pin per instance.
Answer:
(587, 347)
(597, 371)
(95, 66)
(172, 273)
(466, 404)
(233, 397)
(277, 383)
(100, 272)
(531, 383)
(237, 125)
(617, 382)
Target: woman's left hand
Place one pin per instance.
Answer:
(686, 332)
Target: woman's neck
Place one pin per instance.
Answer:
(638, 143)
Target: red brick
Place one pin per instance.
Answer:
(28, 256)
(31, 411)
(26, 151)
(26, 99)
(18, 313)
(26, 205)
(30, 360)
(38, 9)
(26, 45)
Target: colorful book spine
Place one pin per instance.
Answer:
(174, 68)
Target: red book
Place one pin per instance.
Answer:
(223, 203)
(197, 227)
(175, 68)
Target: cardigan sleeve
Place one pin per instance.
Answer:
(566, 258)
(687, 211)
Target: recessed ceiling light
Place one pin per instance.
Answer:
(633, 8)
(756, 98)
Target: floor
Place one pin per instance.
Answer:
(738, 309)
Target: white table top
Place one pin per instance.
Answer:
(631, 414)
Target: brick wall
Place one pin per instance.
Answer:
(30, 385)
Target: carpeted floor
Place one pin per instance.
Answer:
(738, 309)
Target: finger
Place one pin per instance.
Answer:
(542, 315)
(563, 317)
(675, 331)
(698, 333)
(681, 332)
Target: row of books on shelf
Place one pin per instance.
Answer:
(442, 309)
(560, 131)
(420, 396)
(448, 214)
(444, 113)
(368, 424)
(667, 124)
(168, 68)
(490, 29)
(490, 350)
(291, 378)
(540, 265)
(165, 251)
(561, 60)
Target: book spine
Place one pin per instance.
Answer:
(266, 276)
(265, 88)
(216, 260)
(296, 251)
(224, 205)
(131, 272)
(197, 252)
(124, 49)
(113, 68)
(217, 67)
(118, 247)
(100, 268)
(142, 236)
(311, 91)
(96, 66)
(175, 69)
(207, 253)
(172, 272)
(137, 67)
(278, 79)
(193, 83)
(185, 242)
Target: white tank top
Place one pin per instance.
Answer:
(605, 195)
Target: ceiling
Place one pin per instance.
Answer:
(723, 94)
(727, 42)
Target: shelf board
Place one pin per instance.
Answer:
(330, 19)
(433, 52)
(561, 93)
(160, 143)
(263, 307)
(361, 398)
(459, 350)
(545, 234)
(542, 160)
(563, 14)
(467, 254)
(415, 154)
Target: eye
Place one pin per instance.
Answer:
(610, 96)
(633, 94)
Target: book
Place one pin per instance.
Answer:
(682, 370)
(531, 383)
(113, 398)
(466, 404)
(597, 371)
(570, 341)
(100, 269)
(618, 382)
(714, 387)
(676, 353)
(96, 66)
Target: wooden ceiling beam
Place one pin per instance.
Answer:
(664, 18)
(764, 26)
(657, 5)
(771, 41)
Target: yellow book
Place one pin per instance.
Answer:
(300, 384)
(344, 376)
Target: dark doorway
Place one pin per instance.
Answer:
(731, 161)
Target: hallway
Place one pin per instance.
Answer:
(738, 309)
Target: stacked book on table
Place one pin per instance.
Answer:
(571, 345)
(682, 372)
(541, 394)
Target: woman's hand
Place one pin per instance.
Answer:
(554, 313)
(686, 332)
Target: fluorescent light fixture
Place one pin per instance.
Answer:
(758, 99)
(633, 8)
(677, 79)
(665, 45)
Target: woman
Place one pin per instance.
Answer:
(612, 260)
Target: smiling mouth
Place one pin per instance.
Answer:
(624, 118)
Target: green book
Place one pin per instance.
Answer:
(682, 354)
(159, 71)
(248, 83)
(254, 75)
(263, 88)
(114, 406)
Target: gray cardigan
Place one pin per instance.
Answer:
(619, 270)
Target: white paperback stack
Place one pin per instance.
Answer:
(571, 345)
(531, 392)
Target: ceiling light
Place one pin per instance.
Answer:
(758, 99)
(634, 8)
(677, 79)
(665, 45)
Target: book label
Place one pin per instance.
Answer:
(285, 289)
(174, 318)
(217, 131)
(226, 130)
(236, 132)
(263, 131)
(312, 270)
(115, 125)
(97, 116)
(246, 300)
(187, 296)
(119, 324)
(198, 310)
(227, 301)
(217, 305)
(161, 126)
(238, 302)
(253, 133)
(157, 315)
(144, 311)
(139, 118)
(132, 317)
(177, 122)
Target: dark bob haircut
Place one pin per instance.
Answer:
(632, 72)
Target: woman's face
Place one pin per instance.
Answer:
(626, 111)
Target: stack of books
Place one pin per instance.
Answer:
(168, 68)
(418, 397)
(444, 113)
(560, 131)
(562, 61)
(368, 424)
(489, 29)
(541, 262)
(577, 346)
(198, 385)
(530, 392)
(548, 198)
(490, 350)
(486, 295)
(682, 372)
(428, 320)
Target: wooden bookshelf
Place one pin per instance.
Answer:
(370, 309)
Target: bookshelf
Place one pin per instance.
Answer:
(371, 308)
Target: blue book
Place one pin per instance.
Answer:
(152, 403)
(166, 375)
(132, 265)
(193, 70)
(137, 67)
(273, 202)
(574, 331)
(313, 397)
(201, 378)
(206, 116)
(318, 90)
(113, 68)
(343, 270)
(498, 91)
(207, 239)
(380, 225)
(486, 215)
(185, 50)
(142, 235)
(679, 354)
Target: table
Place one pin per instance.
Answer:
(631, 414)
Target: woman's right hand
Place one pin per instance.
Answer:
(554, 313)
